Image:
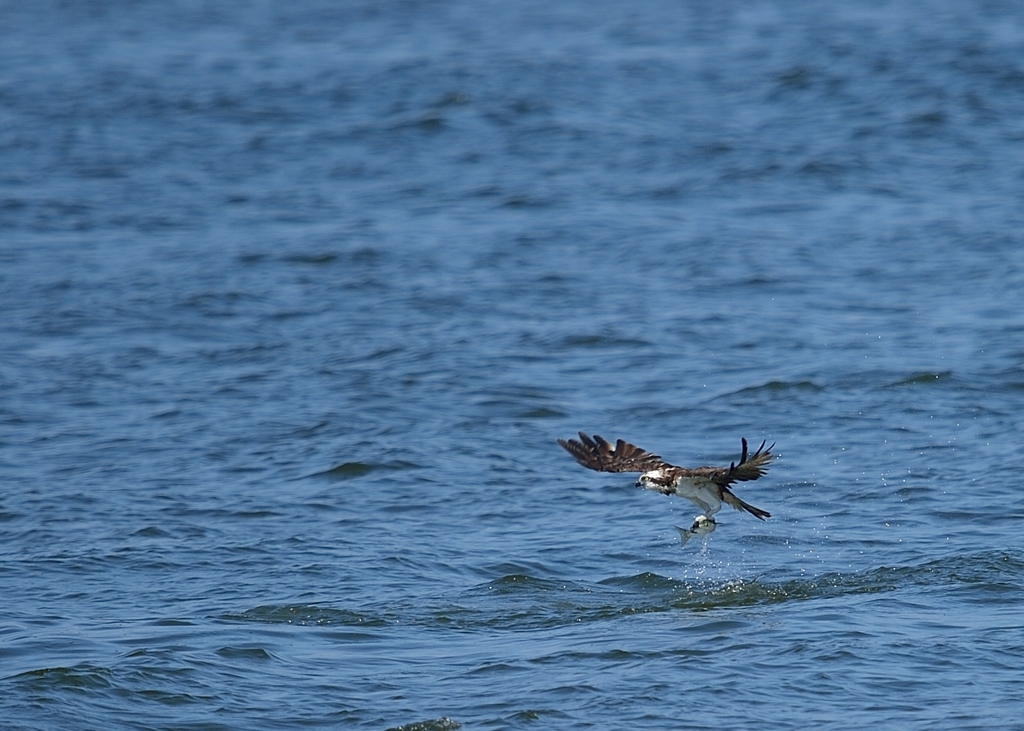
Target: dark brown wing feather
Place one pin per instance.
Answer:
(597, 454)
(750, 467)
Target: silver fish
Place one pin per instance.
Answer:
(702, 525)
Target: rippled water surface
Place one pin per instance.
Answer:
(297, 297)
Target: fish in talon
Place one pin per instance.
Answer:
(702, 526)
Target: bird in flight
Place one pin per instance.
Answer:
(706, 487)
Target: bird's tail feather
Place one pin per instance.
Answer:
(731, 499)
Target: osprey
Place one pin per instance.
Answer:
(707, 487)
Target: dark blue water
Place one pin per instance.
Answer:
(295, 299)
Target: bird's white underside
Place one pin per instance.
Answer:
(702, 492)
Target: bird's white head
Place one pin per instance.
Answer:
(650, 480)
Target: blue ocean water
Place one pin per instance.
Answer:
(297, 297)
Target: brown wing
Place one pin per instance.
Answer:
(597, 454)
(750, 467)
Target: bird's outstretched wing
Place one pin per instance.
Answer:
(597, 454)
(750, 467)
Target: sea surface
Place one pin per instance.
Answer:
(296, 298)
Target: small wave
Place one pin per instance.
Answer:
(523, 200)
(319, 258)
(927, 378)
(603, 341)
(644, 581)
(440, 724)
(151, 531)
(776, 387)
(305, 615)
(347, 470)
(520, 583)
(543, 412)
(323, 257)
(83, 677)
(351, 470)
(661, 593)
(244, 653)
